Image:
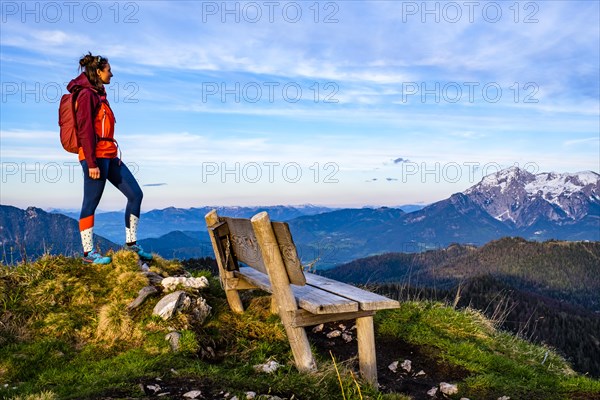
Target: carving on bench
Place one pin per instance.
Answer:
(260, 254)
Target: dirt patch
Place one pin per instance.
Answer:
(424, 373)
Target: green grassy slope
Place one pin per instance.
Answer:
(65, 333)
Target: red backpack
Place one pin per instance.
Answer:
(67, 121)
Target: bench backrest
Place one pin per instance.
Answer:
(237, 243)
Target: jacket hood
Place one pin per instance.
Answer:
(80, 82)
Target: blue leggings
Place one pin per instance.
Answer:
(117, 173)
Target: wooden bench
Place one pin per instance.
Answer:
(270, 262)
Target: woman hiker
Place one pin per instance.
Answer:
(98, 155)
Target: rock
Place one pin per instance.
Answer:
(420, 373)
(173, 339)
(432, 392)
(250, 395)
(167, 307)
(171, 283)
(347, 337)
(143, 266)
(201, 310)
(504, 398)
(464, 398)
(448, 389)
(142, 296)
(268, 367)
(318, 328)
(342, 327)
(393, 366)
(153, 277)
(406, 365)
(207, 352)
(153, 388)
(192, 394)
(334, 334)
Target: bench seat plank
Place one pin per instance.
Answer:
(309, 298)
(368, 301)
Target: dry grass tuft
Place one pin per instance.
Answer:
(38, 396)
(115, 326)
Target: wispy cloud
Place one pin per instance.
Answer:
(585, 141)
(374, 55)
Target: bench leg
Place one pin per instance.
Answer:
(367, 360)
(274, 307)
(235, 303)
(303, 356)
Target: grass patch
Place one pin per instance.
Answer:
(500, 364)
(65, 333)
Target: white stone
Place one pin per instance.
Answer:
(420, 373)
(154, 388)
(172, 282)
(192, 394)
(318, 328)
(269, 367)
(250, 395)
(334, 334)
(393, 366)
(406, 365)
(448, 388)
(504, 398)
(432, 392)
(168, 305)
(347, 337)
(464, 398)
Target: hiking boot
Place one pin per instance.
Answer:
(94, 257)
(145, 256)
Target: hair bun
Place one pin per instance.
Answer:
(86, 60)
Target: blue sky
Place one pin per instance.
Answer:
(338, 103)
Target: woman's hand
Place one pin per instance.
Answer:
(95, 173)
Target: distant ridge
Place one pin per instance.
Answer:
(156, 223)
(511, 202)
(30, 233)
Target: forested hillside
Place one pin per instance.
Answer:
(547, 292)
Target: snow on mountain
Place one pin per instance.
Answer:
(553, 185)
(523, 198)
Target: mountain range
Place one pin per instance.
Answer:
(28, 234)
(511, 202)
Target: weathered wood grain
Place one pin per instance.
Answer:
(368, 301)
(309, 298)
(233, 297)
(281, 289)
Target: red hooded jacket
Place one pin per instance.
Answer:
(95, 122)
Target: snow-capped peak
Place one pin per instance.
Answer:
(552, 185)
(503, 179)
(519, 196)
